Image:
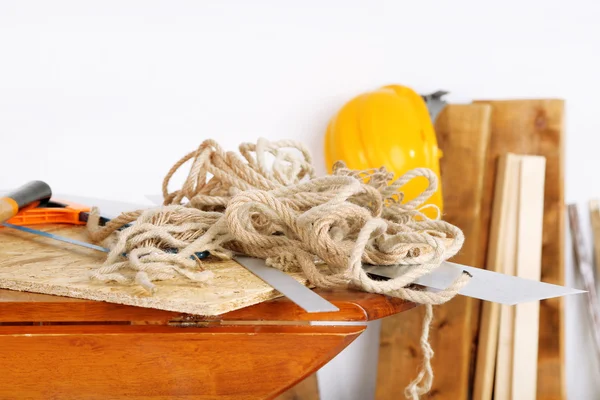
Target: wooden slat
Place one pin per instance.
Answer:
(153, 362)
(501, 252)
(595, 219)
(536, 127)
(504, 354)
(463, 135)
(528, 266)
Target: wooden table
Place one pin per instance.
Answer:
(56, 347)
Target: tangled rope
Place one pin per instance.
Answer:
(269, 204)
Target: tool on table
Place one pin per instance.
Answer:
(69, 218)
(28, 195)
(70, 213)
(51, 211)
(55, 212)
(55, 237)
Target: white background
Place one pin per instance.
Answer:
(100, 98)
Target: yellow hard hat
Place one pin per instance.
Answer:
(388, 127)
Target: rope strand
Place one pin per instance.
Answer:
(269, 204)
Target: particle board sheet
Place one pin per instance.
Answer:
(536, 127)
(37, 264)
(463, 133)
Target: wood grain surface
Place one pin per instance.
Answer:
(501, 253)
(528, 266)
(504, 350)
(463, 133)
(153, 362)
(537, 127)
(594, 206)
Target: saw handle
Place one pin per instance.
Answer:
(31, 194)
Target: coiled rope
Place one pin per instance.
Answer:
(268, 203)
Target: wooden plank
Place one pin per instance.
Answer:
(42, 265)
(528, 266)
(501, 251)
(153, 362)
(463, 135)
(595, 219)
(503, 376)
(536, 127)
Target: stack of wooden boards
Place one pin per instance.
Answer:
(508, 337)
(473, 137)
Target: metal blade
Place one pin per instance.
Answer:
(292, 289)
(55, 237)
(485, 285)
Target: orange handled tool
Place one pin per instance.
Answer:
(32, 194)
(54, 212)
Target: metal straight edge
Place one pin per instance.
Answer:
(304, 297)
(484, 285)
(56, 237)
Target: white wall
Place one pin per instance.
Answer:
(100, 98)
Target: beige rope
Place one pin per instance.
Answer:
(270, 205)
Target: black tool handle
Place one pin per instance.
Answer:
(32, 192)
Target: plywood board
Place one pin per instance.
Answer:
(502, 246)
(463, 135)
(42, 265)
(536, 127)
(528, 266)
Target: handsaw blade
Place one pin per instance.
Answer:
(55, 237)
(288, 286)
(484, 284)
